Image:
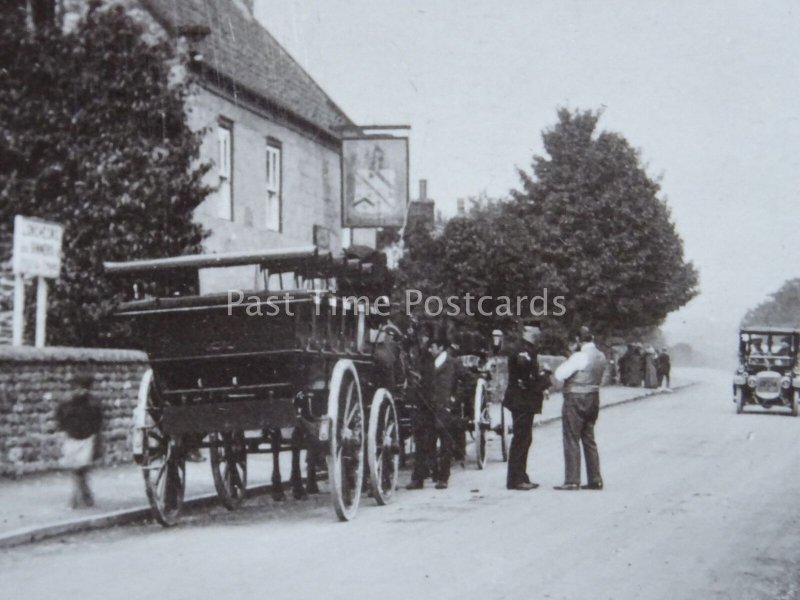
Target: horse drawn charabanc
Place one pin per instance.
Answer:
(229, 371)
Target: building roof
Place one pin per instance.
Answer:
(784, 330)
(241, 56)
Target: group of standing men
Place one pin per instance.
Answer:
(581, 375)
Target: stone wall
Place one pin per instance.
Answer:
(34, 381)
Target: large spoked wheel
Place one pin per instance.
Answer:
(383, 447)
(505, 432)
(795, 400)
(346, 450)
(228, 454)
(162, 458)
(164, 468)
(481, 422)
(738, 397)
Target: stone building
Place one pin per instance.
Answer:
(273, 136)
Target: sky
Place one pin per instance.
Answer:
(708, 91)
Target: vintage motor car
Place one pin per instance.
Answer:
(768, 374)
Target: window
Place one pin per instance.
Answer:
(273, 205)
(225, 166)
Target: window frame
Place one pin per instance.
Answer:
(224, 124)
(274, 148)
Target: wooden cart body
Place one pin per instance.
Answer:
(229, 369)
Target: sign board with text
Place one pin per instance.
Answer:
(37, 247)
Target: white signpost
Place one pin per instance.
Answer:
(37, 253)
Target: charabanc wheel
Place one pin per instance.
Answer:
(164, 468)
(228, 454)
(795, 401)
(346, 439)
(480, 422)
(505, 431)
(738, 397)
(383, 447)
(162, 459)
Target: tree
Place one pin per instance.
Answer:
(95, 137)
(781, 310)
(418, 268)
(587, 226)
(600, 234)
(482, 254)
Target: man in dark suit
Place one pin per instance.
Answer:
(524, 397)
(434, 418)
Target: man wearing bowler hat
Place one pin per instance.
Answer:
(524, 397)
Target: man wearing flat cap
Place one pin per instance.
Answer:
(524, 396)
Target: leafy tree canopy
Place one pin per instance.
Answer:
(781, 310)
(602, 229)
(95, 137)
(586, 225)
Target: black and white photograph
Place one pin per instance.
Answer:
(431, 299)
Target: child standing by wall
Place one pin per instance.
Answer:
(81, 420)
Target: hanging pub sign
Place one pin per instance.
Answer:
(374, 181)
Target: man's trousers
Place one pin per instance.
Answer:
(427, 461)
(578, 416)
(522, 425)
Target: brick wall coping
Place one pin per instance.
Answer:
(68, 354)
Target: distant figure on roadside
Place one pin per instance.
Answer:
(663, 366)
(81, 420)
(640, 366)
(581, 373)
(633, 371)
(623, 365)
(650, 371)
(527, 384)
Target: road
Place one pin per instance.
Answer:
(699, 504)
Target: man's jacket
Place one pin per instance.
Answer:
(526, 382)
(443, 389)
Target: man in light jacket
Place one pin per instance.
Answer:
(581, 373)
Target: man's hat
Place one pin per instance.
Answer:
(393, 330)
(497, 332)
(530, 333)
